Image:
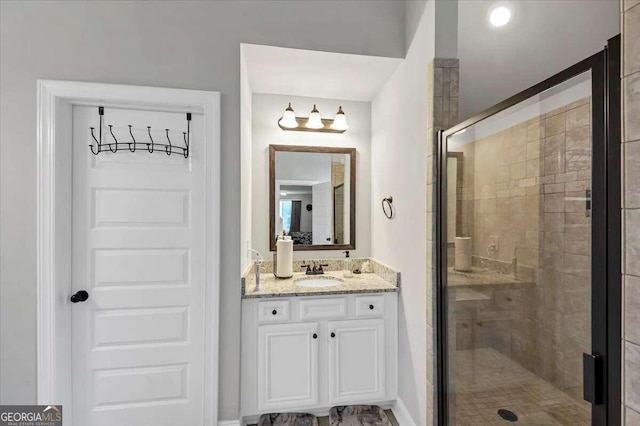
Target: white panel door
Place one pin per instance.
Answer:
(287, 366)
(138, 250)
(356, 361)
(322, 213)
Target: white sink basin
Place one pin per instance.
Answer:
(318, 282)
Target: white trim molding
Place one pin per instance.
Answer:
(55, 99)
(229, 423)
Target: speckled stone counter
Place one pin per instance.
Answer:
(382, 279)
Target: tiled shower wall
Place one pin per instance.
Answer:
(631, 207)
(442, 99)
(526, 186)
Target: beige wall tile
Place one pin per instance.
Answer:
(554, 124)
(577, 244)
(632, 417)
(632, 106)
(554, 203)
(578, 117)
(632, 375)
(632, 40)
(632, 242)
(632, 309)
(535, 131)
(575, 264)
(554, 144)
(632, 175)
(627, 4)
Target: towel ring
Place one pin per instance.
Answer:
(387, 207)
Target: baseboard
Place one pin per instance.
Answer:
(229, 423)
(402, 414)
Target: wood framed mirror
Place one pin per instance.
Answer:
(312, 196)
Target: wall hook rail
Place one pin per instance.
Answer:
(102, 145)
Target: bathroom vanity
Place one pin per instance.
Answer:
(312, 347)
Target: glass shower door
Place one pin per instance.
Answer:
(518, 304)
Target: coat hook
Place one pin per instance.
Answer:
(168, 149)
(186, 144)
(150, 146)
(114, 138)
(97, 150)
(132, 148)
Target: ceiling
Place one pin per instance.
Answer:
(296, 72)
(543, 38)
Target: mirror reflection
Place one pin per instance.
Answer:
(313, 196)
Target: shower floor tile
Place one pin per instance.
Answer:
(488, 381)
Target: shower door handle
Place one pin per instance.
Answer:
(593, 374)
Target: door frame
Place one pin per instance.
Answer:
(54, 224)
(606, 296)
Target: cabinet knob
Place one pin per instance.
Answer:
(315, 336)
(371, 307)
(333, 334)
(274, 312)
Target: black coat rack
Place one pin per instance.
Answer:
(151, 146)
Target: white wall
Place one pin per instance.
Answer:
(399, 152)
(183, 44)
(544, 38)
(267, 110)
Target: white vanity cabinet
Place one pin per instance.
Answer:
(314, 352)
(287, 366)
(357, 368)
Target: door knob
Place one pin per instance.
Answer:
(80, 296)
(333, 334)
(315, 336)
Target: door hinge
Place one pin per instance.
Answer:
(593, 373)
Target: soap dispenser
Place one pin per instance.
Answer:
(347, 268)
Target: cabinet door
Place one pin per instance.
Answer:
(356, 361)
(287, 366)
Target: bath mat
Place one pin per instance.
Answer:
(358, 415)
(288, 419)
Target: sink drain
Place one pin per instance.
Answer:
(508, 415)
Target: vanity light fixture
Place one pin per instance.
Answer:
(313, 123)
(288, 120)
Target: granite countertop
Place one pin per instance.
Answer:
(276, 287)
(480, 277)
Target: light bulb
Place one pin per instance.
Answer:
(288, 119)
(500, 16)
(340, 122)
(314, 121)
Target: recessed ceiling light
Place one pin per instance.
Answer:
(500, 16)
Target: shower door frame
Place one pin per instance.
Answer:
(606, 277)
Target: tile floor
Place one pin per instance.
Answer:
(487, 381)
